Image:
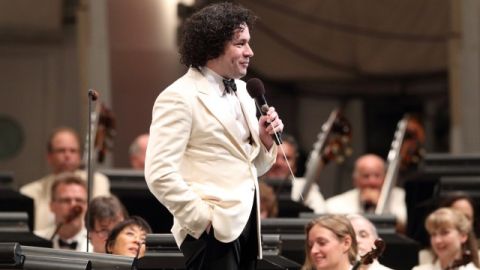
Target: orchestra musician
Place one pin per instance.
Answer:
(127, 238)
(452, 240)
(366, 235)
(137, 151)
(104, 212)
(63, 155)
(68, 205)
(368, 177)
(280, 172)
(330, 244)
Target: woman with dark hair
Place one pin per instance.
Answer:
(330, 244)
(452, 241)
(127, 238)
(462, 202)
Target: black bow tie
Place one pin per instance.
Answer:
(229, 86)
(65, 245)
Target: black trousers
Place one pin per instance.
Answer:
(207, 253)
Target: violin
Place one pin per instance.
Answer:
(372, 255)
(466, 259)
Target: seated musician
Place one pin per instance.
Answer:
(368, 178)
(452, 240)
(268, 201)
(63, 155)
(366, 235)
(137, 151)
(127, 238)
(68, 205)
(104, 212)
(279, 171)
(457, 200)
(330, 244)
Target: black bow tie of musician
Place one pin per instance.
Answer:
(229, 86)
(65, 245)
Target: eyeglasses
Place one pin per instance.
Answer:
(71, 200)
(102, 233)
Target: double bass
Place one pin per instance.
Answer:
(333, 144)
(406, 149)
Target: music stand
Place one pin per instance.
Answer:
(10, 256)
(98, 261)
(162, 250)
(383, 223)
(422, 190)
(451, 165)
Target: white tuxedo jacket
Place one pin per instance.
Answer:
(196, 166)
(349, 203)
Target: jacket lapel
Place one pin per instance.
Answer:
(210, 101)
(252, 121)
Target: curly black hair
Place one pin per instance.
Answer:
(207, 31)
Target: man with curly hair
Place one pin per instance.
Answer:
(207, 148)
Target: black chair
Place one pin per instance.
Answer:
(131, 189)
(6, 180)
(286, 207)
(14, 228)
(13, 201)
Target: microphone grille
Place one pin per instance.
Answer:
(255, 87)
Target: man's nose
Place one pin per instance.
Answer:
(249, 51)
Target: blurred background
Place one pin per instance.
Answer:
(376, 59)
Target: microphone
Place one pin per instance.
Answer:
(73, 214)
(256, 90)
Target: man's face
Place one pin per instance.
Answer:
(102, 228)
(65, 154)
(137, 160)
(365, 236)
(67, 197)
(369, 173)
(233, 63)
(279, 169)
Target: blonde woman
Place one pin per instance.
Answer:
(451, 237)
(330, 244)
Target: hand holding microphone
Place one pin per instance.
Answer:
(270, 123)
